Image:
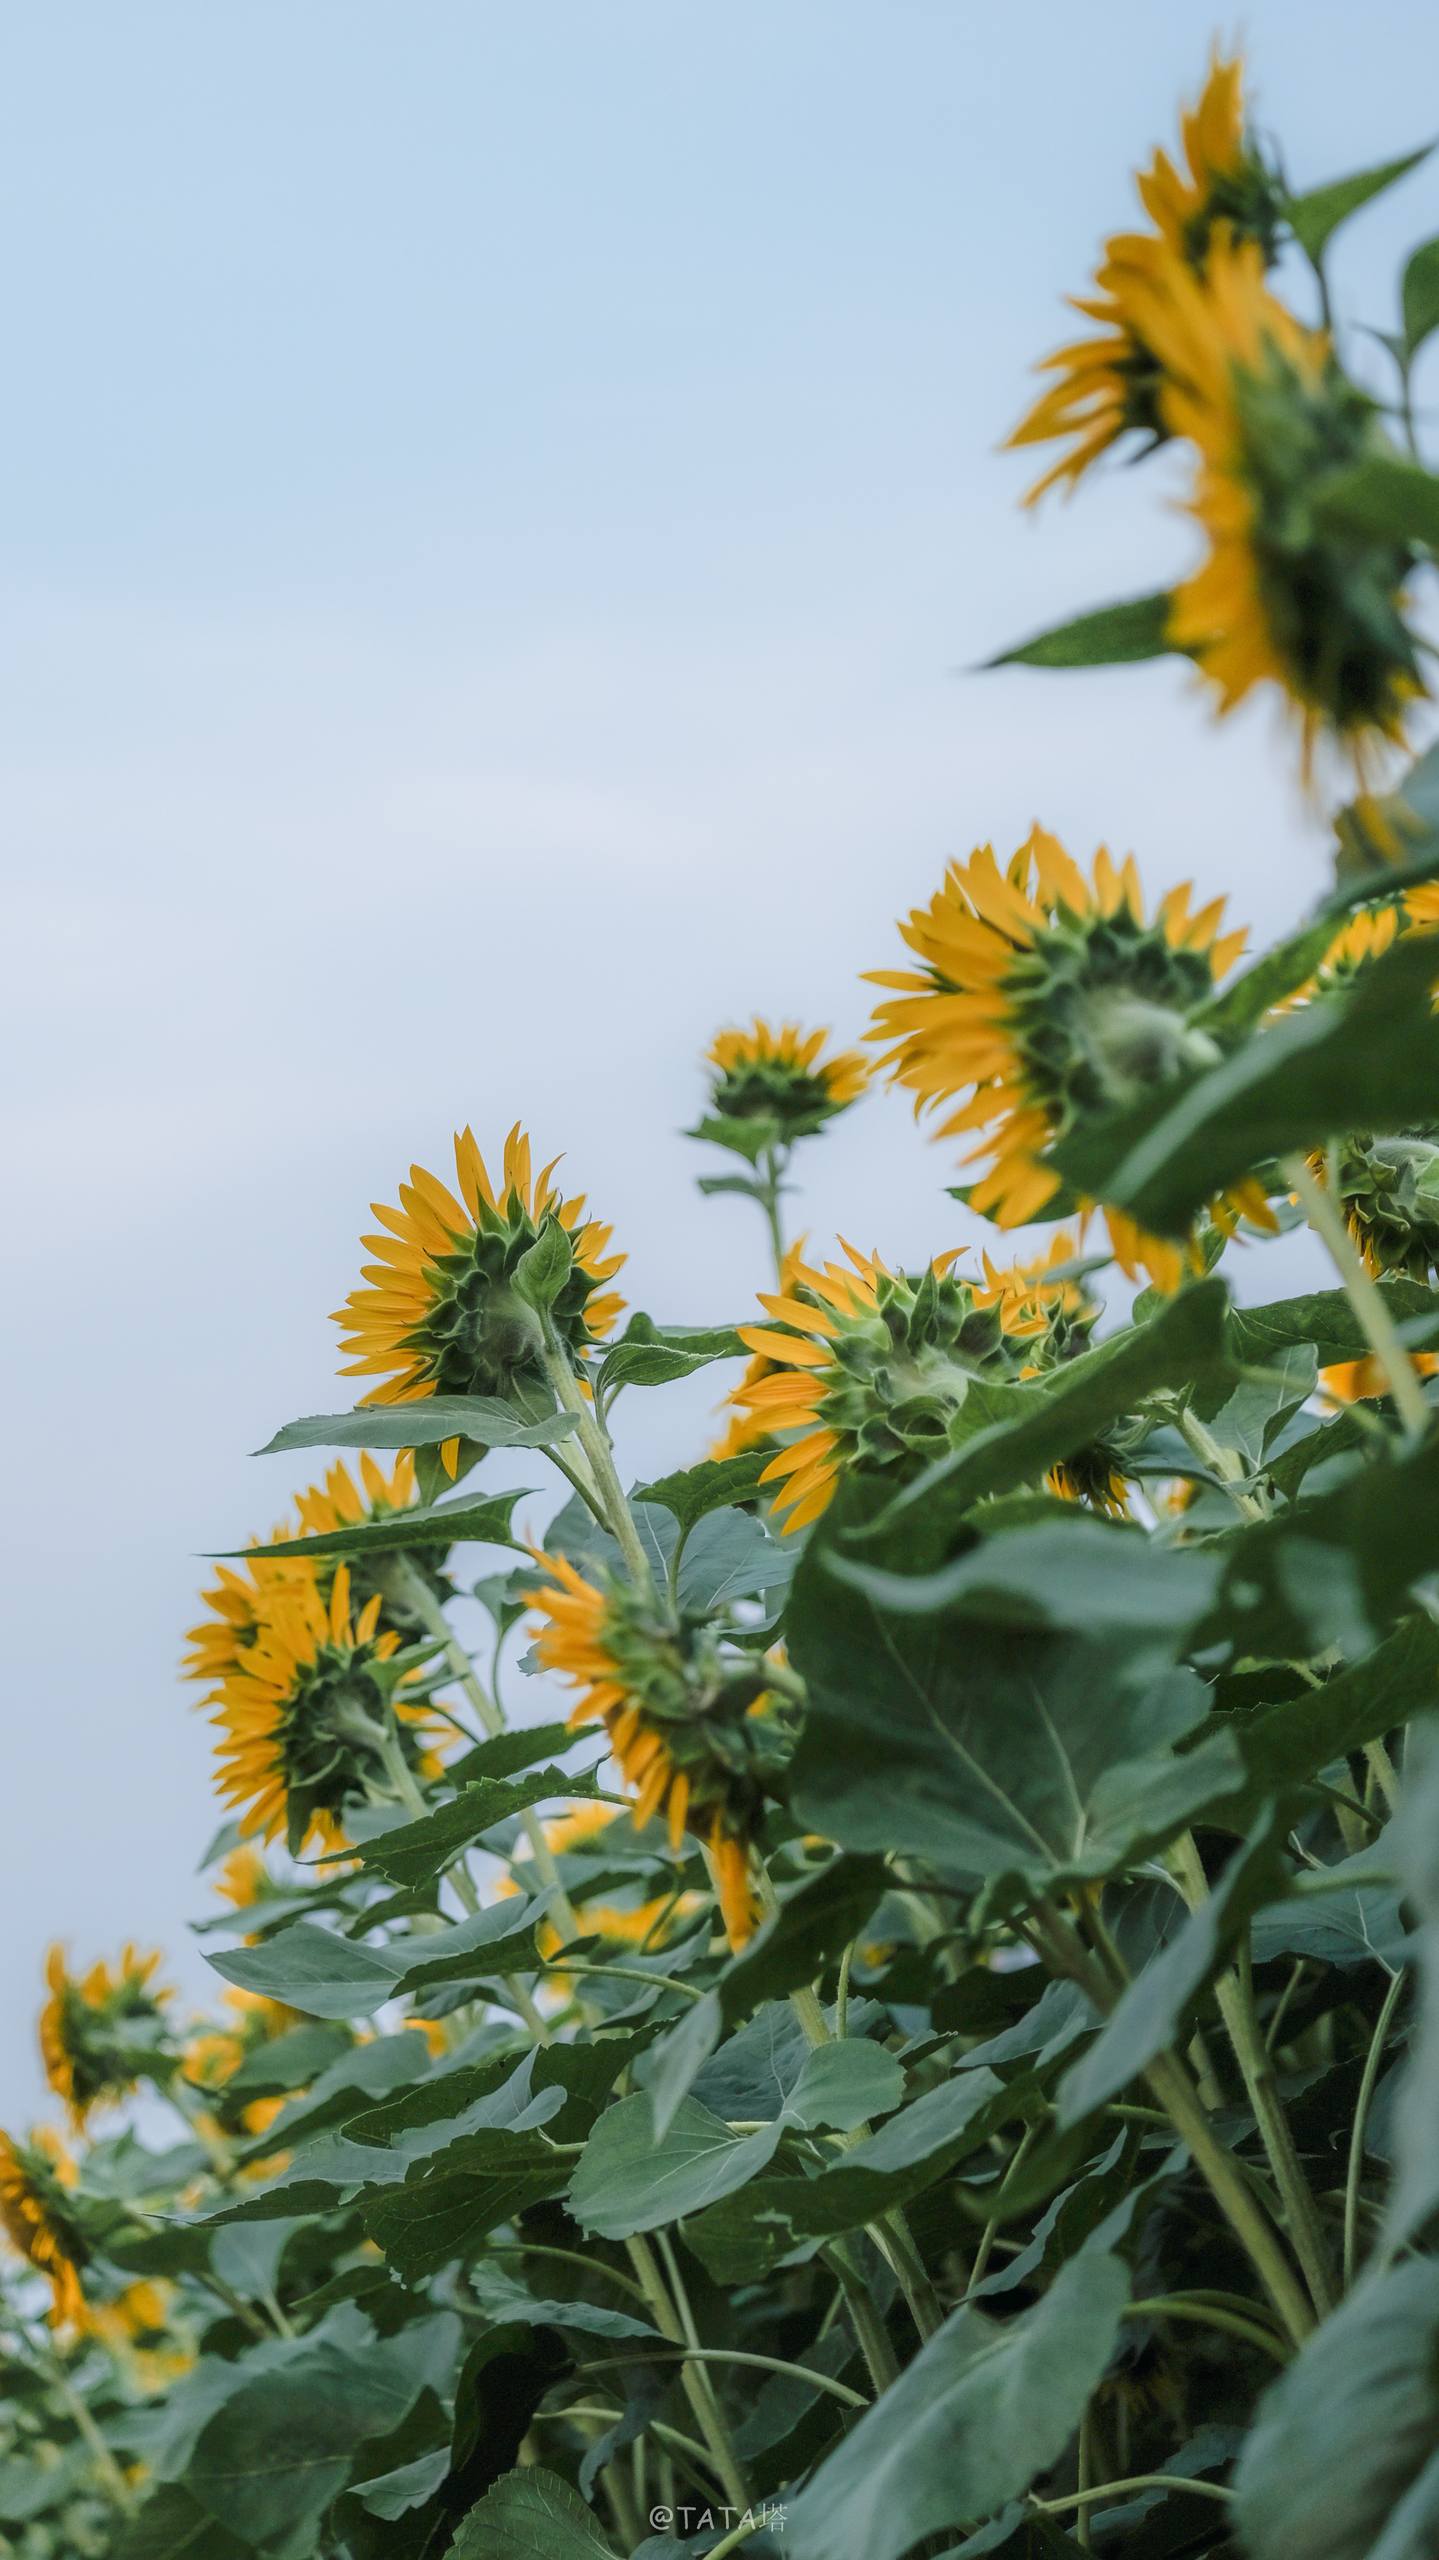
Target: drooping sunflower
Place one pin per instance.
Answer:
(306, 1724)
(1107, 385)
(779, 1075)
(869, 1368)
(1044, 997)
(36, 2181)
(438, 1312)
(687, 1718)
(101, 2032)
(1284, 597)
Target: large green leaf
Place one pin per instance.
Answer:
(1326, 1319)
(171, 2525)
(1001, 1753)
(482, 1419)
(982, 2411)
(1342, 2462)
(414, 1852)
(1315, 216)
(331, 1977)
(716, 1484)
(440, 1524)
(652, 1355)
(531, 2515)
(441, 2212)
(918, 2145)
(1368, 1061)
(282, 2446)
(1291, 1742)
(1114, 635)
(629, 2180)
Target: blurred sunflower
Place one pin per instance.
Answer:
(867, 1366)
(215, 2054)
(101, 2032)
(685, 1717)
(1108, 385)
(1285, 596)
(312, 1721)
(438, 1312)
(1046, 997)
(781, 1075)
(36, 2181)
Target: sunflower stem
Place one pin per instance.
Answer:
(771, 1178)
(1221, 1462)
(1362, 2105)
(1234, 1990)
(594, 1439)
(1375, 1321)
(411, 1590)
(697, 2386)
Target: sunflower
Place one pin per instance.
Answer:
(235, 1603)
(1051, 1316)
(36, 2178)
(1044, 998)
(308, 1723)
(1355, 1381)
(244, 1878)
(745, 1430)
(214, 2055)
(686, 1718)
(439, 1312)
(134, 2323)
(1282, 598)
(781, 1077)
(1108, 385)
(1388, 1191)
(101, 2032)
(868, 1367)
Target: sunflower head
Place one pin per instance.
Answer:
(861, 1366)
(104, 2031)
(234, 1608)
(304, 1725)
(1285, 596)
(779, 1080)
(441, 1310)
(1042, 997)
(37, 2213)
(689, 1720)
(1388, 1189)
(1108, 384)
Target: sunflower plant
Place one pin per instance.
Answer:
(876, 1994)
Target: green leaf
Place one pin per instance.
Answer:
(331, 1977)
(1333, 1915)
(651, 1355)
(171, 2525)
(1041, 1423)
(1115, 635)
(715, 1485)
(981, 2412)
(1154, 2009)
(441, 2213)
(415, 1852)
(1266, 982)
(502, 2298)
(842, 2084)
(1315, 216)
(1368, 1062)
(531, 2515)
(629, 2180)
(394, 2493)
(541, 1272)
(1340, 2463)
(1421, 296)
(283, 2444)
(502, 1754)
(917, 2146)
(440, 1524)
(1073, 1573)
(482, 1419)
(1383, 499)
(1324, 1318)
(1289, 1743)
(1038, 1757)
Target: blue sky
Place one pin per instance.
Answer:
(498, 507)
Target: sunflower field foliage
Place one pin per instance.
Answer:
(921, 2035)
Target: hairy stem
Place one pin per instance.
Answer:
(1375, 1321)
(1362, 2105)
